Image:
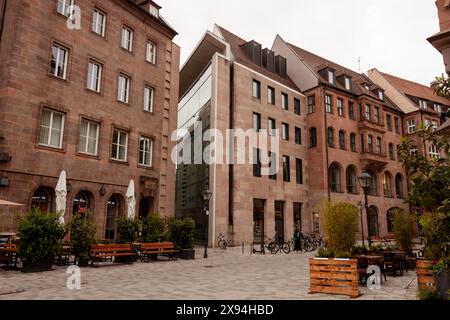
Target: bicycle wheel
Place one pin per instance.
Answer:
(273, 247)
(309, 247)
(286, 247)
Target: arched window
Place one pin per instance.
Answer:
(390, 219)
(387, 184)
(370, 143)
(335, 178)
(330, 136)
(312, 137)
(373, 190)
(82, 203)
(372, 216)
(342, 139)
(353, 142)
(115, 206)
(351, 180)
(42, 199)
(391, 152)
(399, 186)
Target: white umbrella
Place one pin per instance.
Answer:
(8, 203)
(131, 200)
(61, 196)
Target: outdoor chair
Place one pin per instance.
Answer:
(363, 264)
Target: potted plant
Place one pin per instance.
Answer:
(40, 235)
(182, 232)
(404, 233)
(128, 230)
(82, 237)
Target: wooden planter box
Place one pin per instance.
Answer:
(425, 277)
(334, 276)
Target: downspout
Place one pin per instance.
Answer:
(2, 24)
(326, 144)
(231, 151)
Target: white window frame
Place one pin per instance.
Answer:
(423, 104)
(368, 113)
(328, 106)
(127, 38)
(99, 22)
(348, 83)
(331, 76)
(119, 135)
(123, 92)
(149, 98)
(411, 126)
(148, 142)
(437, 108)
(256, 121)
(285, 131)
(66, 5)
(58, 60)
(381, 95)
(50, 129)
(272, 126)
(151, 51)
(340, 107)
(433, 151)
(90, 124)
(94, 81)
(271, 95)
(256, 89)
(284, 101)
(153, 11)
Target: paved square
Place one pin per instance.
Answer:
(227, 275)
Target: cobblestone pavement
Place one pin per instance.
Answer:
(225, 275)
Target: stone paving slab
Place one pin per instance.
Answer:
(225, 275)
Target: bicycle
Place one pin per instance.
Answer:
(276, 246)
(222, 243)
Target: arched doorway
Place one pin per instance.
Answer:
(145, 207)
(115, 206)
(372, 218)
(390, 219)
(83, 203)
(42, 199)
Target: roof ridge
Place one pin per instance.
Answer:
(407, 80)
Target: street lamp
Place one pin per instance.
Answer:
(361, 207)
(206, 197)
(364, 181)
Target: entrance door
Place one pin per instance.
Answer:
(258, 220)
(279, 220)
(298, 216)
(145, 207)
(373, 222)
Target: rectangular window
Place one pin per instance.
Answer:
(328, 104)
(273, 166)
(285, 101)
(353, 142)
(149, 95)
(286, 169)
(377, 115)
(363, 148)
(311, 104)
(330, 76)
(119, 148)
(389, 122)
(256, 89)
(257, 166)
(396, 124)
(256, 121)
(151, 52)
(298, 135)
(145, 151)
(58, 64)
(378, 150)
(297, 106)
(127, 38)
(64, 7)
(340, 107)
(370, 143)
(52, 129)
(381, 95)
(99, 22)
(368, 113)
(89, 132)
(123, 93)
(94, 76)
(271, 95)
(285, 131)
(272, 126)
(433, 151)
(437, 108)
(423, 104)
(351, 110)
(299, 171)
(411, 126)
(348, 83)
(391, 152)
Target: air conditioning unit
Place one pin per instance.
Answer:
(4, 182)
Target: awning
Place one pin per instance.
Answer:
(8, 203)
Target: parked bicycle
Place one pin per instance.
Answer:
(276, 246)
(222, 243)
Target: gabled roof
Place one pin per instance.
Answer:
(415, 89)
(317, 63)
(160, 19)
(240, 56)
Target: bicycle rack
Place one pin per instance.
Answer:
(253, 249)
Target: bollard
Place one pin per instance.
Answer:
(243, 248)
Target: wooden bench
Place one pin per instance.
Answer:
(8, 255)
(108, 252)
(156, 249)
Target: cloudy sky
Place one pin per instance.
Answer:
(387, 34)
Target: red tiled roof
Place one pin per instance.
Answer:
(241, 57)
(415, 89)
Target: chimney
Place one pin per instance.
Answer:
(253, 51)
(268, 60)
(281, 66)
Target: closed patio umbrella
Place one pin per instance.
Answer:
(131, 200)
(61, 196)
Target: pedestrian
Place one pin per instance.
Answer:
(298, 239)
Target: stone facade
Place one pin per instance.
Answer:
(27, 87)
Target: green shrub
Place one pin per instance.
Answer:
(404, 233)
(358, 250)
(82, 235)
(325, 253)
(154, 229)
(340, 221)
(40, 236)
(343, 254)
(127, 229)
(429, 294)
(182, 232)
(436, 229)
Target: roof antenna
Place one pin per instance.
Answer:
(359, 64)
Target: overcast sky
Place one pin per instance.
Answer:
(387, 34)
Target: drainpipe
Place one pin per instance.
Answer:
(231, 153)
(326, 142)
(3, 15)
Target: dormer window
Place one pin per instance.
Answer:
(381, 95)
(154, 11)
(423, 104)
(437, 108)
(348, 83)
(367, 86)
(331, 76)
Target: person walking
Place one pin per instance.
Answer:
(298, 239)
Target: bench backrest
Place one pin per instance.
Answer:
(157, 246)
(105, 248)
(8, 246)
